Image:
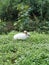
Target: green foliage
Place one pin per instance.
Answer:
(32, 51)
(35, 17)
(31, 15)
(9, 10)
(3, 28)
(40, 9)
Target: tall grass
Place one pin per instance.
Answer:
(32, 51)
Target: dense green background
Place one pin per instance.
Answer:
(31, 15)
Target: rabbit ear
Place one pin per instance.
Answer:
(25, 32)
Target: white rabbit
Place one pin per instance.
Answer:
(22, 36)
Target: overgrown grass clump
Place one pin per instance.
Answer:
(32, 51)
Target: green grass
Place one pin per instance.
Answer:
(33, 51)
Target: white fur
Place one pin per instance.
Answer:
(22, 36)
